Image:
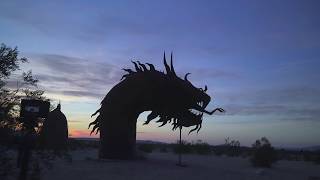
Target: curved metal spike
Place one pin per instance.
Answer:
(205, 88)
(94, 128)
(174, 127)
(98, 130)
(199, 127)
(150, 117)
(96, 112)
(95, 121)
(128, 70)
(164, 123)
(186, 76)
(92, 123)
(172, 68)
(143, 66)
(194, 129)
(136, 66)
(124, 76)
(151, 67)
(165, 64)
(175, 121)
(161, 119)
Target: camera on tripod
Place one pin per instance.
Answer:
(31, 110)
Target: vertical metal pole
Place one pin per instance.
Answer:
(24, 155)
(180, 150)
(180, 147)
(25, 149)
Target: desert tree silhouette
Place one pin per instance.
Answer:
(10, 97)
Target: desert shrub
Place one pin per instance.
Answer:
(148, 148)
(202, 148)
(232, 147)
(264, 154)
(184, 148)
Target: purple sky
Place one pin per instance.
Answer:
(260, 59)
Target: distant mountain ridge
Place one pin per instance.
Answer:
(308, 148)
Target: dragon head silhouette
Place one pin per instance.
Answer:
(172, 98)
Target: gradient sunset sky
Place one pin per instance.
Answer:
(260, 60)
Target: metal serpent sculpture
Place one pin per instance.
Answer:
(169, 97)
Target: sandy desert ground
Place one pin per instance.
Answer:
(86, 166)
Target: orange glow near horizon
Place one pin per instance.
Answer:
(74, 133)
(155, 136)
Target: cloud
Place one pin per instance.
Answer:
(82, 93)
(272, 109)
(290, 95)
(94, 26)
(72, 76)
(61, 75)
(290, 103)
